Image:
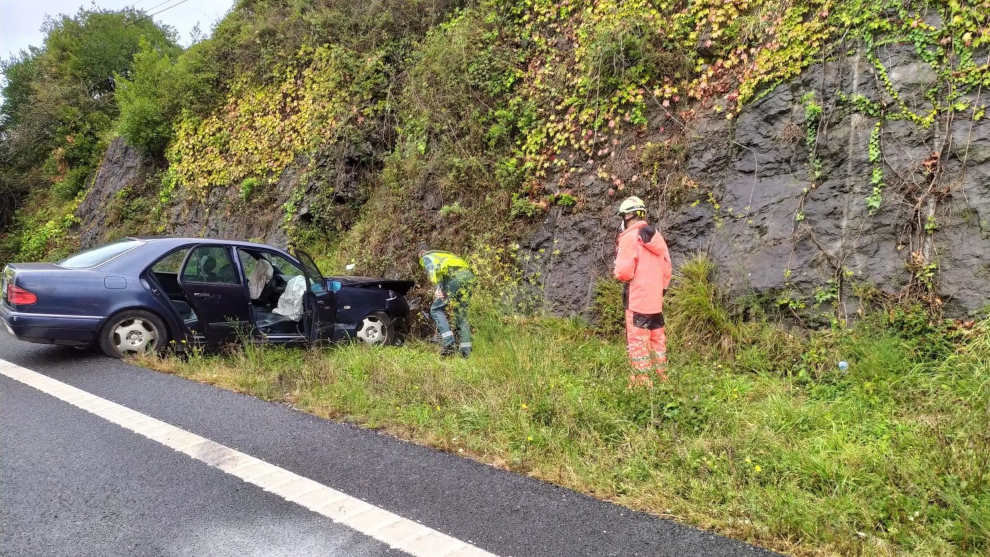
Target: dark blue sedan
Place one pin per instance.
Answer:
(136, 295)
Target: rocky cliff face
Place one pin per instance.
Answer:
(778, 226)
(814, 196)
(791, 219)
(127, 179)
(122, 168)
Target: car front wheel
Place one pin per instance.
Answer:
(133, 333)
(377, 329)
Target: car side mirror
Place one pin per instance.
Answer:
(335, 285)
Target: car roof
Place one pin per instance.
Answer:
(135, 261)
(178, 241)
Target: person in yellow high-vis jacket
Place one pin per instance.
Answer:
(453, 279)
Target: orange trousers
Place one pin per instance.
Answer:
(647, 348)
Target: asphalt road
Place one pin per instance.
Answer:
(72, 483)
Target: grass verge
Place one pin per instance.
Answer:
(760, 437)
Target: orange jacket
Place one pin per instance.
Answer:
(643, 262)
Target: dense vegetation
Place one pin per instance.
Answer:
(463, 123)
(500, 109)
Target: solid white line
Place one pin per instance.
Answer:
(384, 526)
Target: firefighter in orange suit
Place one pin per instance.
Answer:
(642, 262)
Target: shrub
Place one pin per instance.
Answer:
(565, 200)
(40, 239)
(163, 83)
(608, 308)
(454, 208)
(695, 311)
(248, 186)
(523, 206)
(619, 52)
(73, 182)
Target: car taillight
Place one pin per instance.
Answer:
(20, 297)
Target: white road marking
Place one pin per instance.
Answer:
(389, 528)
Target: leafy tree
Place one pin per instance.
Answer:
(163, 83)
(58, 100)
(20, 72)
(96, 45)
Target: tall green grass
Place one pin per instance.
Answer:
(758, 435)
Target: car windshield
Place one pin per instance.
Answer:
(98, 256)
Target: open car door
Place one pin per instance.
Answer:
(213, 287)
(321, 304)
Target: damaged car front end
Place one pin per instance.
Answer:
(372, 310)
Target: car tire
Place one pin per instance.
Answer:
(133, 332)
(377, 329)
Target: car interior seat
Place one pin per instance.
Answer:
(259, 277)
(286, 316)
(207, 268)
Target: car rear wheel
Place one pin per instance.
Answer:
(377, 329)
(133, 333)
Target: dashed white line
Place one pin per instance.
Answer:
(372, 521)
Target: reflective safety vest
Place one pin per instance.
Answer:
(438, 264)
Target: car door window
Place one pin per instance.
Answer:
(100, 255)
(166, 272)
(315, 275)
(171, 263)
(248, 262)
(287, 269)
(210, 264)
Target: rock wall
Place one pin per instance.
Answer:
(328, 188)
(122, 167)
(775, 228)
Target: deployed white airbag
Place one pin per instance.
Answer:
(290, 303)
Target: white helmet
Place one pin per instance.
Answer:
(632, 204)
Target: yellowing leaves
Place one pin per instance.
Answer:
(262, 129)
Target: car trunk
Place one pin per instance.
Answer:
(51, 297)
(11, 272)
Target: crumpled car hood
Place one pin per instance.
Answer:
(398, 286)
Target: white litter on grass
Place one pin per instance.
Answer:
(375, 522)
